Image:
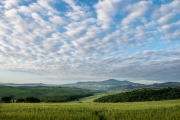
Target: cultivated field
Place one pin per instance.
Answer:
(156, 110)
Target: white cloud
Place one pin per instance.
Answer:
(105, 10)
(100, 41)
(10, 3)
(57, 19)
(93, 31)
(36, 17)
(137, 11)
(72, 4)
(25, 10)
(171, 27)
(11, 14)
(76, 32)
(46, 4)
(78, 12)
(171, 7)
(166, 19)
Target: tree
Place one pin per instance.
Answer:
(20, 100)
(6, 99)
(51, 101)
(32, 100)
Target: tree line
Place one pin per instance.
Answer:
(145, 94)
(8, 99)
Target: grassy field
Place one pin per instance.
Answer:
(156, 110)
(40, 92)
(97, 95)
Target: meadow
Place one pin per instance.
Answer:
(42, 92)
(154, 110)
(90, 99)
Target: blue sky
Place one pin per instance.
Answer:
(63, 41)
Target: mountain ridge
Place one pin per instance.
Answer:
(106, 85)
(113, 84)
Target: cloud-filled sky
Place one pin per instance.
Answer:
(62, 41)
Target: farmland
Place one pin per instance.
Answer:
(154, 110)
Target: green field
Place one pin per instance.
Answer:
(97, 95)
(156, 110)
(41, 92)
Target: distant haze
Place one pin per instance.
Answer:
(66, 41)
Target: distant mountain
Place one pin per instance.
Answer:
(113, 84)
(166, 84)
(28, 84)
(106, 85)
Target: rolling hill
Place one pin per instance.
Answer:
(60, 94)
(139, 95)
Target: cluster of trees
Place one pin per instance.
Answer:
(145, 94)
(8, 99)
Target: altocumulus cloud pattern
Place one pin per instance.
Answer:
(91, 39)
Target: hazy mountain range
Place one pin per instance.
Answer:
(27, 84)
(105, 85)
(113, 84)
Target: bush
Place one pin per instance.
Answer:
(6, 99)
(32, 100)
(20, 100)
(51, 101)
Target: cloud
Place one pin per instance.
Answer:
(148, 65)
(111, 39)
(78, 12)
(10, 3)
(166, 19)
(73, 5)
(106, 10)
(46, 4)
(171, 27)
(57, 20)
(137, 11)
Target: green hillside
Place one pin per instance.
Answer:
(140, 95)
(60, 94)
(90, 99)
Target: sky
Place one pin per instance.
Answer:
(64, 41)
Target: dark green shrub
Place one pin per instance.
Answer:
(32, 100)
(51, 101)
(6, 99)
(20, 100)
